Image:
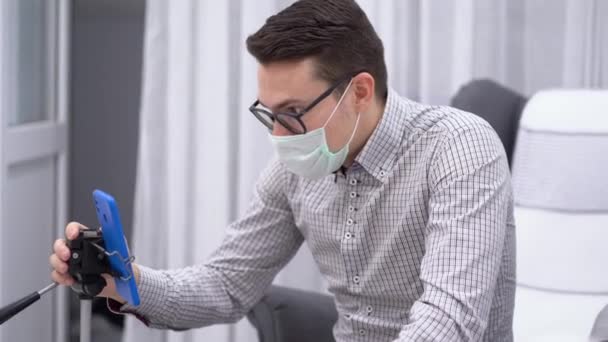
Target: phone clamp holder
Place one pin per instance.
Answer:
(88, 260)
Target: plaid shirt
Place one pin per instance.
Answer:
(416, 239)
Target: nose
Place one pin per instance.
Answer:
(279, 131)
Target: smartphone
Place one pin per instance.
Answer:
(116, 246)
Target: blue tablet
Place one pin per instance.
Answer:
(116, 246)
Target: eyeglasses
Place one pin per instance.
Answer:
(292, 121)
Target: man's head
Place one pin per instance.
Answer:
(316, 45)
(335, 34)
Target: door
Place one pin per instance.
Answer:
(33, 154)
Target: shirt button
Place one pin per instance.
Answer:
(362, 332)
(348, 235)
(353, 182)
(353, 194)
(351, 208)
(356, 279)
(369, 310)
(349, 222)
(382, 173)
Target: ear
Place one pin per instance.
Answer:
(363, 85)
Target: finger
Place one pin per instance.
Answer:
(58, 265)
(63, 279)
(110, 289)
(72, 230)
(61, 249)
(109, 280)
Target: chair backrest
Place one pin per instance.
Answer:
(560, 183)
(499, 106)
(286, 314)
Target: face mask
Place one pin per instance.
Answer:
(307, 154)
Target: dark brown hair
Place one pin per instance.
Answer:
(336, 33)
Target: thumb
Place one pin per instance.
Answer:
(72, 230)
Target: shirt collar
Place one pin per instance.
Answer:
(379, 153)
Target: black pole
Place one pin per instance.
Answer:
(14, 308)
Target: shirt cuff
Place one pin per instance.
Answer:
(152, 290)
(119, 309)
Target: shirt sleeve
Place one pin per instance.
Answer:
(469, 201)
(226, 287)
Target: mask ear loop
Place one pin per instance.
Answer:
(354, 130)
(339, 102)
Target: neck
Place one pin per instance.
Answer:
(368, 123)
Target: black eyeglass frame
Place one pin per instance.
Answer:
(259, 113)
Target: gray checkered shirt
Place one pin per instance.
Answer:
(416, 239)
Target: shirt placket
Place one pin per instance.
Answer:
(351, 234)
(351, 239)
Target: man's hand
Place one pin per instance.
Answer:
(59, 263)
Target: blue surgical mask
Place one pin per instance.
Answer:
(308, 154)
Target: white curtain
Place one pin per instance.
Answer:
(201, 151)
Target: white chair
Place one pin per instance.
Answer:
(560, 180)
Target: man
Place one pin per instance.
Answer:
(407, 208)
